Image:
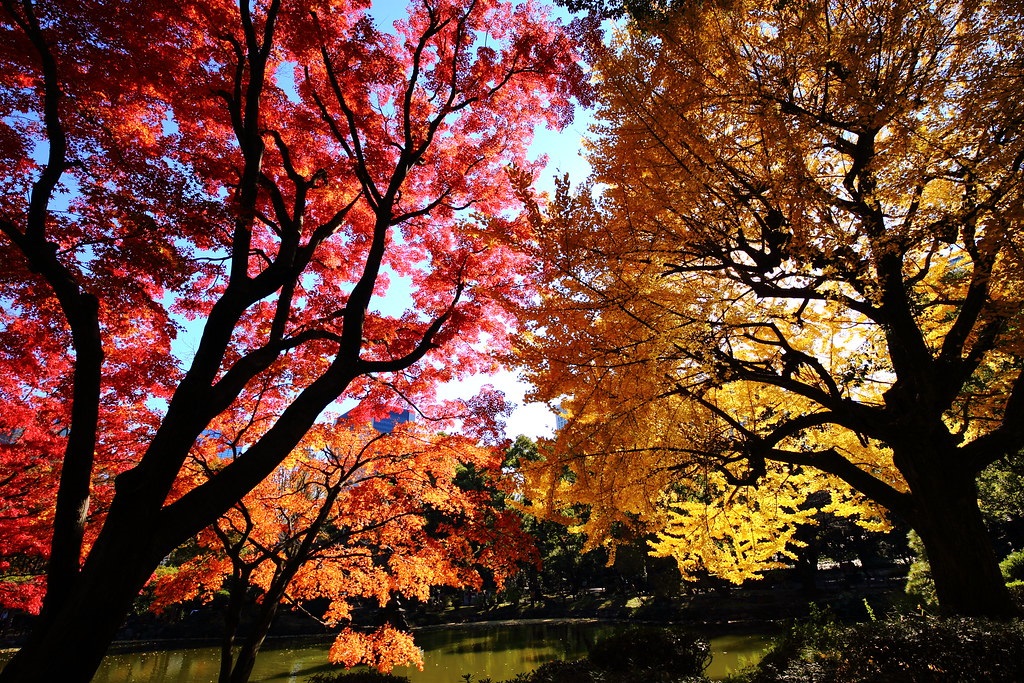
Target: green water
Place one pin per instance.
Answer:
(498, 651)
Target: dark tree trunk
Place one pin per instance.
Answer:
(73, 641)
(963, 562)
(232, 618)
(246, 659)
(806, 568)
(964, 565)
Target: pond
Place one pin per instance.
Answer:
(499, 651)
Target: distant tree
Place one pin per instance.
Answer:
(842, 540)
(797, 268)
(352, 514)
(566, 563)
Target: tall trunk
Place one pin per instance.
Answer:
(70, 646)
(963, 563)
(232, 618)
(74, 491)
(246, 659)
(946, 516)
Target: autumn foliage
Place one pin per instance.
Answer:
(797, 268)
(352, 516)
(262, 175)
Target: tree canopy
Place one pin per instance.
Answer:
(797, 267)
(263, 173)
(351, 515)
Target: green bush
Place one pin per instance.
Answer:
(1016, 589)
(357, 677)
(558, 671)
(920, 584)
(652, 649)
(910, 649)
(1013, 566)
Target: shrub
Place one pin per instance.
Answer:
(357, 677)
(584, 671)
(817, 633)
(1016, 589)
(558, 671)
(652, 649)
(911, 649)
(1013, 566)
(920, 584)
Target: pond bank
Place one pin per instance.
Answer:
(756, 607)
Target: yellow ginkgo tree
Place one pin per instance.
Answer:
(796, 268)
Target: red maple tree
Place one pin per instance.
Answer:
(352, 515)
(265, 170)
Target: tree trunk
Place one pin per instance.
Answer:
(70, 646)
(246, 659)
(232, 619)
(806, 568)
(964, 565)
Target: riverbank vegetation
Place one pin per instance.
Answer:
(904, 648)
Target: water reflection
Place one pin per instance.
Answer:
(500, 652)
(497, 651)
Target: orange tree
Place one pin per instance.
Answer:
(797, 268)
(260, 170)
(351, 514)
